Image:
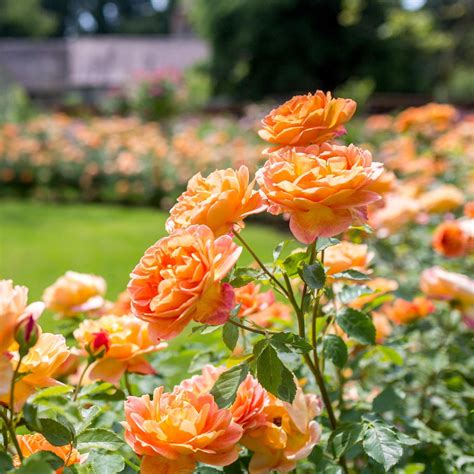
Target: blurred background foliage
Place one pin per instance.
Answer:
(280, 47)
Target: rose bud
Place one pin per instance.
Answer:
(27, 334)
(99, 345)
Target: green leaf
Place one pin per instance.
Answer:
(44, 462)
(290, 342)
(391, 355)
(351, 292)
(52, 392)
(6, 462)
(352, 275)
(102, 391)
(357, 325)
(30, 414)
(226, 386)
(274, 376)
(335, 349)
(279, 249)
(293, 262)
(387, 400)
(382, 444)
(324, 242)
(242, 276)
(314, 275)
(345, 437)
(88, 416)
(322, 464)
(207, 470)
(407, 440)
(99, 438)
(230, 335)
(105, 463)
(55, 432)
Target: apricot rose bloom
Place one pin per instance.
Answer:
(454, 238)
(402, 311)
(38, 367)
(6, 374)
(307, 119)
(220, 201)
(288, 434)
(180, 429)
(13, 309)
(347, 256)
(442, 199)
(179, 279)
(34, 443)
(429, 119)
(128, 344)
(75, 293)
(324, 188)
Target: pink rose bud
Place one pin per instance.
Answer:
(27, 334)
(99, 345)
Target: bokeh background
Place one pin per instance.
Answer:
(107, 107)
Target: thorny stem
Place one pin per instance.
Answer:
(81, 378)
(260, 263)
(11, 430)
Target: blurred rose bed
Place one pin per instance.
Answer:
(347, 354)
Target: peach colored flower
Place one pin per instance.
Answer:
(347, 256)
(454, 238)
(287, 436)
(275, 313)
(383, 328)
(13, 309)
(38, 367)
(323, 188)
(181, 426)
(203, 382)
(379, 123)
(439, 284)
(220, 201)
(6, 374)
(34, 443)
(75, 293)
(122, 305)
(179, 279)
(379, 286)
(430, 118)
(128, 343)
(402, 311)
(443, 199)
(307, 119)
(397, 212)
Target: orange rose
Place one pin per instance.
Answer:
(128, 342)
(75, 293)
(179, 280)
(287, 436)
(122, 305)
(383, 328)
(38, 367)
(275, 313)
(203, 382)
(443, 199)
(307, 119)
(220, 201)
(347, 256)
(13, 310)
(469, 209)
(404, 312)
(34, 443)
(440, 284)
(6, 374)
(183, 427)
(379, 286)
(454, 238)
(428, 119)
(323, 188)
(252, 300)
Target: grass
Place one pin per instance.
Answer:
(39, 242)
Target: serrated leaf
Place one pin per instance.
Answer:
(335, 349)
(55, 432)
(105, 463)
(407, 440)
(314, 275)
(52, 392)
(242, 276)
(44, 462)
(352, 275)
(279, 249)
(290, 342)
(99, 438)
(357, 325)
(293, 262)
(382, 445)
(88, 416)
(324, 242)
(226, 386)
(350, 293)
(230, 335)
(345, 437)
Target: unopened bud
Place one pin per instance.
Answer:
(27, 334)
(99, 345)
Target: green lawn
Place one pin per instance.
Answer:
(39, 242)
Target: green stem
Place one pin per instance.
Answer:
(11, 430)
(127, 383)
(81, 378)
(263, 332)
(260, 263)
(12, 390)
